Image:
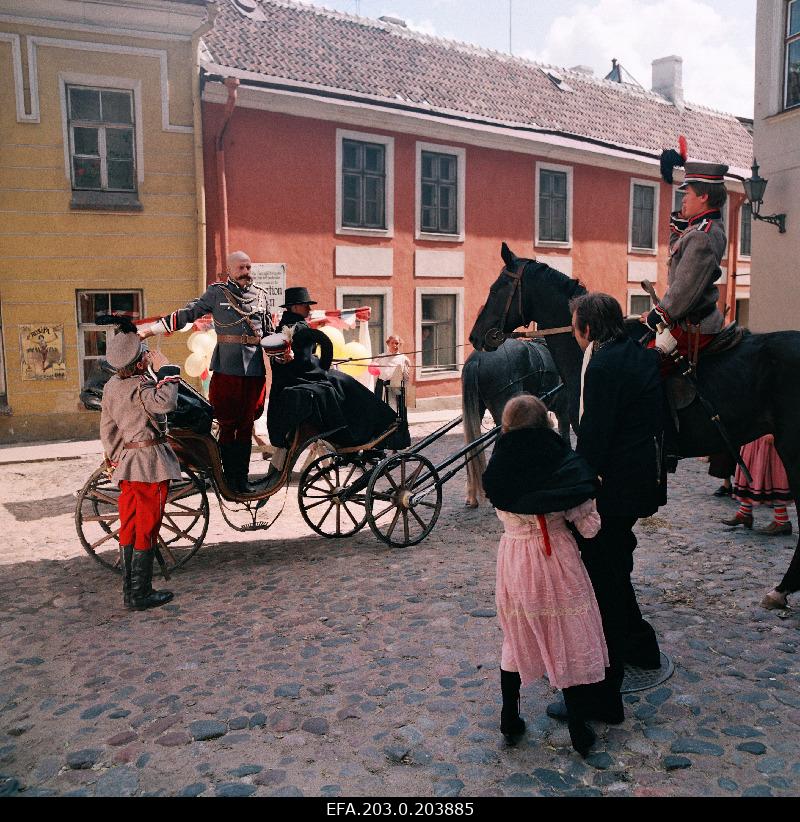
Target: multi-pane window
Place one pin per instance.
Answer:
(439, 332)
(102, 140)
(553, 206)
(93, 338)
(792, 83)
(439, 207)
(643, 217)
(745, 231)
(376, 319)
(363, 184)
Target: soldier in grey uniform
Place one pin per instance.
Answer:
(237, 391)
(133, 427)
(697, 244)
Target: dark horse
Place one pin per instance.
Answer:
(490, 379)
(754, 387)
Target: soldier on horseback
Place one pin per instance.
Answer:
(697, 244)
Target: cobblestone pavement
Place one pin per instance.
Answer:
(293, 665)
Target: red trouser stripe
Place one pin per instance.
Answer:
(238, 402)
(141, 509)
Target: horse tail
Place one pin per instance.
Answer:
(472, 409)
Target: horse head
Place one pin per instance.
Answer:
(503, 310)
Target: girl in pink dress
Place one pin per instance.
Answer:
(545, 602)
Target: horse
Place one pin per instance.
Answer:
(754, 387)
(489, 380)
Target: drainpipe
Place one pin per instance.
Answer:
(231, 83)
(199, 170)
(733, 258)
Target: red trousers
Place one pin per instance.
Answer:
(238, 402)
(141, 509)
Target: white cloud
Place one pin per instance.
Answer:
(718, 54)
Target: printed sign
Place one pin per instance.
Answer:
(272, 278)
(42, 351)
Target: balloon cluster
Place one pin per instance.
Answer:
(201, 344)
(347, 351)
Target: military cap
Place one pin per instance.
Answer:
(697, 172)
(124, 349)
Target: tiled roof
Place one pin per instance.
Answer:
(306, 44)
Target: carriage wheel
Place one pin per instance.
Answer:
(183, 528)
(322, 497)
(404, 499)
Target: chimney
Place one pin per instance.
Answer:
(668, 79)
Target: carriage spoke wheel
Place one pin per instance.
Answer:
(323, 497)
(404, 499)
(183, 528)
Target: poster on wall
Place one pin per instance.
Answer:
(42, 350)
(272, 278)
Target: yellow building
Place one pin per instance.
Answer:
(101, 191)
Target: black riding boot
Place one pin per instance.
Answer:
(512, 725)
(580, 734)
(127, 559)
(142, 594)
(243, 450)
(228, 454)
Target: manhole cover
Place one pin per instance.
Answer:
(639, 679)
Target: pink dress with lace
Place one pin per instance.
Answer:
(545, 601)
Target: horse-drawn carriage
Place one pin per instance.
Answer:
(341, 488)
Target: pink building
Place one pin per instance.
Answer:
(384, 167)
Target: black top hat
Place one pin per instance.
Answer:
(297, 296)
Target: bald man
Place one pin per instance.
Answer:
(241, 318)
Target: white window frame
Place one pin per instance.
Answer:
(438, 375)
(101, 81)
(388, 143)
(787, 41)
(109, 329)
(540, 166)
(343, 291)
(636, 292)
(461, 176)
(632, 249)
(740, 256)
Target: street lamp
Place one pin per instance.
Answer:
(754, 189)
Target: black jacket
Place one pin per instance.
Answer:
(533, 471)
(621, 430)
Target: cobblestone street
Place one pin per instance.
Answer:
(292, 665)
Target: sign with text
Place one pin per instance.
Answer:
(272, 278)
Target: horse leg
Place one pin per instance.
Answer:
(477, 464)
(787, 443)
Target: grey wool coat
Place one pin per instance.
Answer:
(694, 268)
(235, 312)
(134, 410)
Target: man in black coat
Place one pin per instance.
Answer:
(620, 436)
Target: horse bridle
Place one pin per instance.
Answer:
(495, 337)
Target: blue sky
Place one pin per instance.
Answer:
(715, 38)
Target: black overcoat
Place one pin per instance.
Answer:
(621, 431)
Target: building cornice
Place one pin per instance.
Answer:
(122, 17)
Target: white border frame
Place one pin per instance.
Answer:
(458, 292)
(370, 291)
(366, 137)
(635, 181)
(739, 256)
(543, 166)
(461, 176)
(126, 84)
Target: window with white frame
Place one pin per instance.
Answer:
(553, 205)
(93, 338)
(363, 184)
(745, 229)
(440, 192)
(377, 325)
(102, 139)
(792, 71)
(638, 303)
(643, 216)
(438, 328)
